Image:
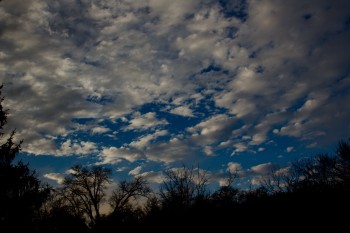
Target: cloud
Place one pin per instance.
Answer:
(182, 111)
(264, 171)
(59, 178)
(208, 150)
(211, 130)
(67, 148)
(153, 177)
(290, 149)
(146, 121)
(249, 73)
(256, 180)
(113, 155)
(99, 130)
(120, 169)
(40, 147)
(175, 150)
(234, 167)
(263, 168)
(239, 147)
(135, 171)
(144, 141)
(77, 148)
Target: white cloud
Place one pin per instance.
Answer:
(46, 146)
(146, 121)
(135, 171)
(239, 147)
(144, 141)
(100, 130)
(153, 177)
(214, 126)
(120, 169)
(290, 149)
(248, 81)
(258, 139)
(59, 178)
(208, 150)
(171, 151)
(234, 167)
(182, 111)
(263, 168)
(114, 155)
(70, 147)
(40, 147)
(258, 180)
(225, 144)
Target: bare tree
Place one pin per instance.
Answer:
(84, 190)
(127, 191)
(152, 205)
(276, 179)
(227, 194)
(182, 187)
(342, 168)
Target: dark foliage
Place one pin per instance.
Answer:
(21, 192)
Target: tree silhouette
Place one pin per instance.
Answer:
(184, 197)
(84, 191)
(57, 216)
(183, 187)
(227, 195)
(342, 169)
(128, 190)
(21, 192)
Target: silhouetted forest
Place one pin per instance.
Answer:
(312, 194)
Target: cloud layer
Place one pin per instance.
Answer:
(174, 81)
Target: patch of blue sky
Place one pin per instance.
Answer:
(235, 8)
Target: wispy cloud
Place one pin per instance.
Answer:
(182, 111)
(135, 171)
(59, 178)
(145, 141)
(114, 155)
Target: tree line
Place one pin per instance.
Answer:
(312, 193)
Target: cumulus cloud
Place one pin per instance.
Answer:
(249, 75)
(263, 168)
(70, 147)
(114, 155)
(146, 121)
(208, 150)
(99, 130)
(67, 148)
(214, 129)
(182, 111)
(173, 150)
(144, 141)
(239, 147)
(234, 167)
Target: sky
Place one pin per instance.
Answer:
(146, 86)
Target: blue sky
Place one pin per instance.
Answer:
(144, 86)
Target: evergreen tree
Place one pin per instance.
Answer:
(21, 192)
